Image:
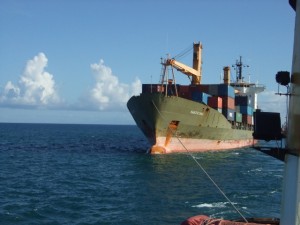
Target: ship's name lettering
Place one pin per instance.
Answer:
(196, 113)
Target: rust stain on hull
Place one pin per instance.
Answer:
(170, 131)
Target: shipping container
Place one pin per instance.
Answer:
(215, 102)
(200, 97)
(247, 119)
(242, 100)
(186, 95)
(225, 90)
(228, 113)
(213, 89)
(184, 91)
(247, 110)
(238, 117)
(184, 88)
(202, 88)
(152, 88)
(228, 102)
(172, 88)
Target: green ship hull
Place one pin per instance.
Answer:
(175, 124)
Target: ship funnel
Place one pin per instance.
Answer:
(226, 78)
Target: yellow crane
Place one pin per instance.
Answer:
(196, 71)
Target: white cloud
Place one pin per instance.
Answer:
(36, 86)
(108, 93)
(268, 101)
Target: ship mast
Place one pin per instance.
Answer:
(246, 88)
(239, 70)
(290, 205)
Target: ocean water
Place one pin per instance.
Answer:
(100, 174)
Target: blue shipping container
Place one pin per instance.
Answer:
(242, 100)
(246, 110)
(225, 90)
(200, 97)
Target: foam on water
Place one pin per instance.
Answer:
(213, 205)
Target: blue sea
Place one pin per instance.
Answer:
(100, 174)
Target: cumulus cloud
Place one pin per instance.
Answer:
(108, 93)
(36, 87)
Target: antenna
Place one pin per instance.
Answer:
(221, 77)
(238, 67)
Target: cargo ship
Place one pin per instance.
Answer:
(195, 117)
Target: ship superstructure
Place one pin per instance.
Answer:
(244, 88)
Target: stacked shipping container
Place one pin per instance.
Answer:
(215, 102)
(221, 99)
(218, 96)
(199, 93)
(242, 105)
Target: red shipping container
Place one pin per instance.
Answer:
(247, 119)
(185, 95)
(152, 88)
(184, 88)
(228, 103)
(215, 102)
(160, 88)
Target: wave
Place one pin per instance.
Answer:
(213, 205)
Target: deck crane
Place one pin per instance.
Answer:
(196, 71)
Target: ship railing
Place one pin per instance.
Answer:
(248, 85)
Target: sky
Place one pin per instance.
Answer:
(79, 61)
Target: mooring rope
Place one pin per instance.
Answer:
(201, 167)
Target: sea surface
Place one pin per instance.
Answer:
(100, 174)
